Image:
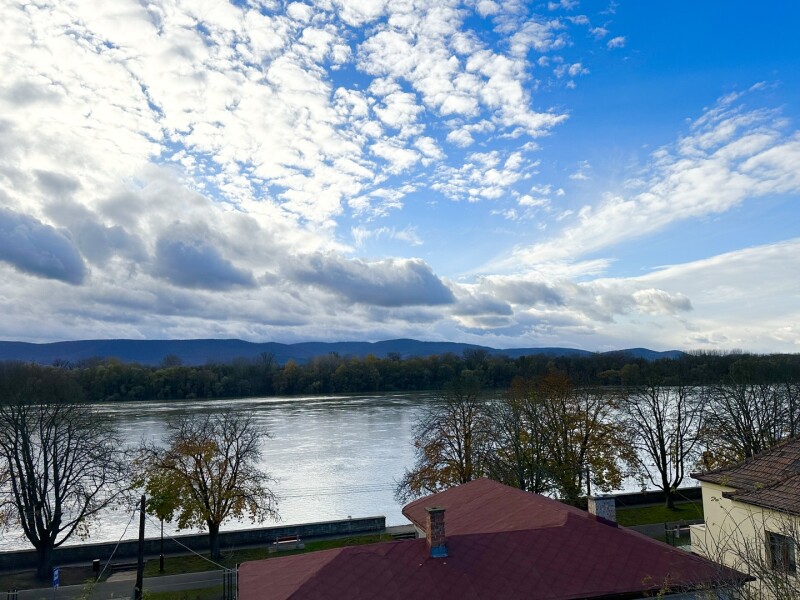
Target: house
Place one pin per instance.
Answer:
(752, 518)
(484, 540)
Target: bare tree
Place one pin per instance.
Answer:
(664, 422)
(449, 442)
(744, 419)
(60, 462)
(208, 472)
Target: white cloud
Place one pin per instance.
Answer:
(616, 42)
(408, 235)
(582, 174)
(428, 146)
(741, 299)
(540, 35)
(380, 201)
(528, 200)
(397, 157)
(573, 70)
(565, 4)
(487, 7)
(460, 137)
(730, 155)
(399, 110)
(414, 48)
(484, 175)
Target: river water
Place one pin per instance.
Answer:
(332, 456)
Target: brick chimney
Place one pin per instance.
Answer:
(437, 542)
(604, 508)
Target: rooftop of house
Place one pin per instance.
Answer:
(770, 479)
(501, 543)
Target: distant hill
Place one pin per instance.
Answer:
(199, 352)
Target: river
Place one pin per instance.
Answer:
(331, 456)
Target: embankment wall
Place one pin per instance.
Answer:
(128, 549)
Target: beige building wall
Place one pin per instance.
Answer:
(735, 534)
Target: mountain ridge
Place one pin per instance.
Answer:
(194, 352)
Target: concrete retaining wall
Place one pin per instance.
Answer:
(128, 549)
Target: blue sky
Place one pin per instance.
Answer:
(573, 173)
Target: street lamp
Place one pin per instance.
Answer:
(161, 556)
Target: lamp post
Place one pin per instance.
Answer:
(161, 555)
(137, 595)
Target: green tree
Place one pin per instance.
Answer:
(208, 471)
(517, 451)
(581, 436)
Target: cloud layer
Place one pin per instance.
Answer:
(351, 169)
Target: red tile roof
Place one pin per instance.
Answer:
(770, 479)
(502, 543)
(484, 506)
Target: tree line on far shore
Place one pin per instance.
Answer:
(109, 380)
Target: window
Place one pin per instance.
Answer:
(780, 552)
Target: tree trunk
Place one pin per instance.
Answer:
(213, 538)
(669, 498)
(44, 562)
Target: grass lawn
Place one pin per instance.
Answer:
(644, 515)
(175, 565)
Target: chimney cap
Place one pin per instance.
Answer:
(432, 509)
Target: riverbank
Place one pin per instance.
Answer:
(176, 563)
(230, 541)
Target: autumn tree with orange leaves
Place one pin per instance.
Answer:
(545, 435)
(449, 441)
(208, 472)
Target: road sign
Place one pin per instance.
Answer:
(55, 577)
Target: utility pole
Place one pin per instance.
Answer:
(140, 562)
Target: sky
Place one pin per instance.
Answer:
(575, 173)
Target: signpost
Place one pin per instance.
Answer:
(55, 581)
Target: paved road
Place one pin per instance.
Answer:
(124, 589)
